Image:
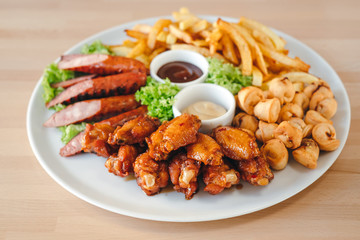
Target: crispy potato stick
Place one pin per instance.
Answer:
(262, 38)
(129, 43)
(199, 26)
(251, 41)
(229, 50)
(291, 63)
(277, 41)
(171, 39)
(138, 49)
(257, 77)
(203, 51)
(144, 28)
(162, 36)
(300, 77)
(201, 43)
(214, 39)
(187, 23)
(156, 52)
(136, 34)
(184, 10)
(205, 33)
(245, 53)
(144, 59)
(122, 51)
(184, 36)
(158, 27)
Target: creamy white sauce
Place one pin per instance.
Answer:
(205, 110)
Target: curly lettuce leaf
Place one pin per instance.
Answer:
(70, 131)
(227, 75)
(159, 97)
(52, 74)
(96, 47)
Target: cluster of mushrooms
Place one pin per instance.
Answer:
(283, 118)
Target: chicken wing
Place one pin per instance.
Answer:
(255, 171)
(183, 174)
(219, 177)
(134, 131)
(121, 164)
(172, 135)
(95, 139)
(150, 175)
(206, 150)
(236, 143)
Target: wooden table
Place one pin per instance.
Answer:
(33, 206)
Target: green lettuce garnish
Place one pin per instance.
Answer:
(159, 97)
(227, 75)
(70, 131)
(96, 47)
(52, 74)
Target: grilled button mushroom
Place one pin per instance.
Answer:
(313, 117)
(302, 100)
(324, 134)
(249, 97)
(307, 154)
(305, 128)
(283, 89)
(319, 95)
(268, 110)
(310, 89)
(246, 121)
(290, 110)
(275, 152)
(327, 107)
(289, 134)
(265, 131)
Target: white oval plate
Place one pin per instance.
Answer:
(86, 177)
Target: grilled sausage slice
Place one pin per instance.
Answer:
(92, 110)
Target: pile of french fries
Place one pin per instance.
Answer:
(252, 46)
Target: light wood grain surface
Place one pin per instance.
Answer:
(33, 206)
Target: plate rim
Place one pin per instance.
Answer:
(146, 216)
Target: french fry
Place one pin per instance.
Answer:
(199, 26)
(277, 41)
(156, 52)
(258, 54)
(184, 10)
(144, 59)
(300, 77)
(201, 43)
(203, 51)
(122, 51)
(144, 28)
(182, 16)
(162, 36)
(291, 63)
(187, 23)
(241, 44)
(257, 77)
(171, 39)
(262, 38)
(205, 33)
(214, 39)
(138, 49)
(136, 34)
(158, 27)
(129, 43)
(229, 50)
(184, 36)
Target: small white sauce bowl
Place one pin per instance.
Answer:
(206, 92)
(180, 55)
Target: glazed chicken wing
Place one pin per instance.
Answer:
(134, 131)
(150, 175)
(121, 164)
(255, 171)
(172, 135)
(95, 139)
(236, 143)
(206, 150)
(219, 177)
(183, 174)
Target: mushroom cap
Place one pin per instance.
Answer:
(289, 134)
(245, 121)
(327, 107)
(283, 89)
(248, 97)
(307, 154)
(325, 136)
(275, 153)
(290, 110)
